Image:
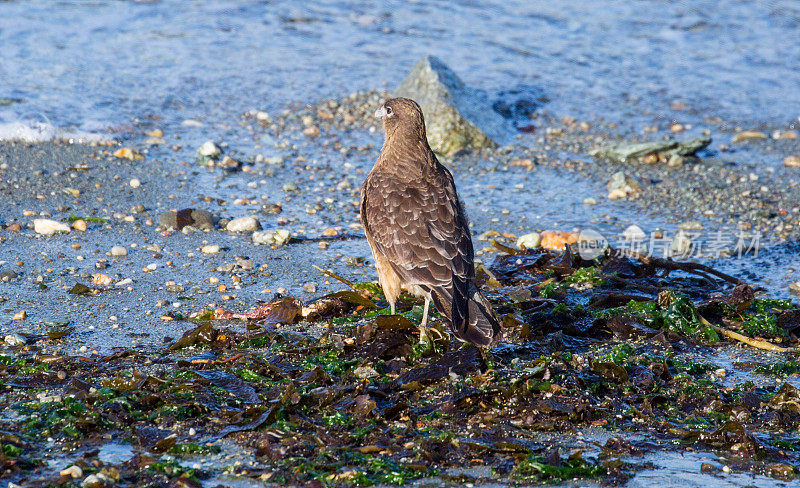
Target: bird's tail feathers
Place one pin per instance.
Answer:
(469, 313)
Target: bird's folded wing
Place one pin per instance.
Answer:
(420, 227)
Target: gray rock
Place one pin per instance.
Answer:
(625, 152)
(8, 275)
(456, 116)
(188, 216)
(243, 224)
(621, 181)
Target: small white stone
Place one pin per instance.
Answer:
(243, 224)
(209, 150)
(119, 251)
(14, 340)
(97, 480)
(633, 233)
(529, 241)
(720, 373)
(83, 349)
(278, 237)
(135, 183)
(73, 472)
(49, 227)
(210, 249)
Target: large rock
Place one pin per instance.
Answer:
(456, 116)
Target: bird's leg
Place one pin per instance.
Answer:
(423, 326)
(391, 307)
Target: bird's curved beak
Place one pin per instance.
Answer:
(381, 112)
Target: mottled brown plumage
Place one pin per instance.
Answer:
(418, 230)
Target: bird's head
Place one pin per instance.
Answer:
(402, 116)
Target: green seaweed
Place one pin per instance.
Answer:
(760, 320)
(779, 369)
(534, 468)
(92, 220)
(193, 449)
(589, 275)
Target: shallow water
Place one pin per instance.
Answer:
(98, 64)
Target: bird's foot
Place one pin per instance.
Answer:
(430, 335)
(423, 336)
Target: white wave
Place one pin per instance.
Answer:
(43, 132)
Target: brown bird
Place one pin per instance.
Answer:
(418, 231)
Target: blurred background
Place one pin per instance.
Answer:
(95, 65)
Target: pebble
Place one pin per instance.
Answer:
(634, 233)
(354, 261)
(128, 153)
(622, 185)
(98, 480)
(73, 472)
(119, 251)
(363, 372)
(135, 183)
(690, 225)
(8, 275)
(675, 160)
(748, 134)
(14, 340)
(100, 279)
(792, 161)
(590, 201)
(243, 224)
(271, 208)
(210, 249)
(310, 288)
(200, 219)
(80, 225)
(531, 240)
(278, 237)
(209, 150)
(21, 315)
(48, 227)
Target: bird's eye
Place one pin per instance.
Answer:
(389, 111)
